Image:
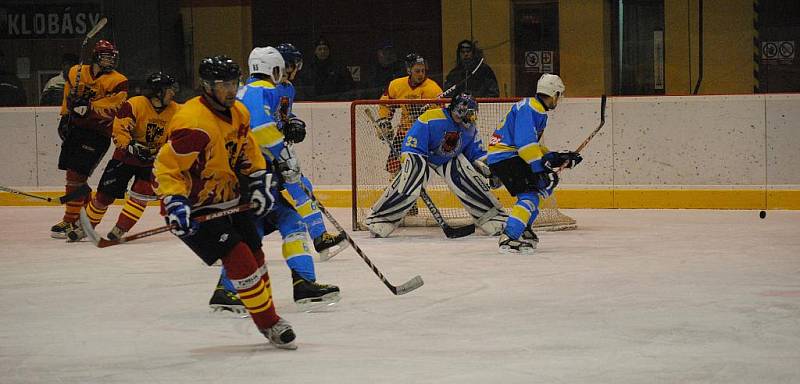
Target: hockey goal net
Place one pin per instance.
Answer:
(373, 167)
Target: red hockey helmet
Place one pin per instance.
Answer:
(105, 55)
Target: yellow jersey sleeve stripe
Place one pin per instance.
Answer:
(268, 136)
(531, 152)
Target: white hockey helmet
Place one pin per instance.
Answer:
(264, 60)
(550, 85)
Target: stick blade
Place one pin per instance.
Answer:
(97, 27)
(409, 286)
(88, 228)
(454, 233)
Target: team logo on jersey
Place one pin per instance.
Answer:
(496, 138)
(450, 142)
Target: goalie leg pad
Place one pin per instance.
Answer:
(522, 215)
(399, 196)
(471, 189)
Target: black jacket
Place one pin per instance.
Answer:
(482, 83)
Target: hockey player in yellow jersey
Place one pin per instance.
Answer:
(92, 95)
(210, 149)
(139, 130)
(415, 86)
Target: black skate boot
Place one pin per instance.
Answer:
(116, 233)
(59, 231)
(281, 335)
(509, 245)
(75, 232)
(328, 245)
(224, 300)
(309, 295)
(531, 237)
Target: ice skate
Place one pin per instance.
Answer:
(75, 233)
(116, 233)
(328, 245)
(309, 295)
(509, 245)
(224, 300)
(531, 237)
(59, 231)
(280, 335)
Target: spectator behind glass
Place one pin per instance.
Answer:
(12, 93)
(53, 91)
(481, 84)
(386, 68)
(324, 79)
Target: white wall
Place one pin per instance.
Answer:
(670, 142)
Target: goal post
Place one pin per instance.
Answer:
(373, 166)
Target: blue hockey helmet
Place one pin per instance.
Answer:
(465, 107)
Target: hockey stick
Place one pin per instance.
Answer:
(402, 289)
(446, 92)
(101, 242)
(97, 27)
(450, 232)
(602, 122)
(80, 192)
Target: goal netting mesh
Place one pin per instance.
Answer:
(373, 167)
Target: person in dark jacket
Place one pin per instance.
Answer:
(482, 83)
(386, 68)
(324, 79)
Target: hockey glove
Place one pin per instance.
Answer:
(179, 213)
(556, 160)
(385, 131)
(294, 130)
(63, 127)
(483, 169)
(140, 151)
(544, 183)
(80, 105)
(260, 182)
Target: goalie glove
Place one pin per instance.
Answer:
(140, 151)
(483, 169)
(179, 216)
(556, 160)
(385, 130)
(294, 130)
(259, 183)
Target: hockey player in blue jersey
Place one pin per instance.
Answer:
(527, 168)
(446, 141)
(269, 121)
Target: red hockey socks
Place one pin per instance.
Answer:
(73, 208)
(248, 275)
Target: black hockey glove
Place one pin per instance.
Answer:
(544, 182)
(140, 151)
(555, 160)
(259, 183)
(81, 104)
(294, 130)
(63, 127)
(385, 131)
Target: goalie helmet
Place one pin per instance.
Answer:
(264, 60)
(219, 68)
(550, 85)
(291, 55)
(105, 55)
(465, 107)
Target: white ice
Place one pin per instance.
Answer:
(632, 296)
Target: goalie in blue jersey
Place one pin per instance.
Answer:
(445, 141)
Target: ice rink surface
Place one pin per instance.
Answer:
(645, 296)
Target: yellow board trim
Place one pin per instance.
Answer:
(567, 198)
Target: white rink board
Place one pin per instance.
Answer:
(667, 142)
